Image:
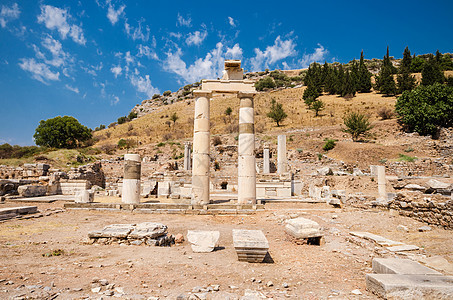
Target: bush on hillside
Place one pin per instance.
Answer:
(61, 132)
(426, 108)
(357, 124)
(385, 113)
(265, 83)
(329, 145)
(16, 151)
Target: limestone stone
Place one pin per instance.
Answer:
(399, 248)
(203, 241)
(131, 181)
(250, 245)
(324, 171)
(402, 286)
(148, 230)
(282, 164)
(400, 266)
(266, 162)
(85, 196)
(302, 228)
(381, 182)
(415, 187)
(112, 231)
(187, 161)
(32, 190)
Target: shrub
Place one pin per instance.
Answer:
(316, 106)
(132, 115)
(100, 127)
(167, 93)
(122, 143)
(265, 83)
(356, 124)
(385, 113)
(122, 120)
(403, 157)
(126, 143)
(61, 132)
(426, 108)
(8, 151)
(329, 145)
(155, 96)
(276, 112)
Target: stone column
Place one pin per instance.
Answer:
(187, 164)
(201, 144)
(131, 179)
(381, 182)
(282, 164)
(246, 150)
(266, 166)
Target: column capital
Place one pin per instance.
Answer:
(246, 94)
(201, 93)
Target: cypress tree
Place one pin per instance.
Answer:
(348, 90)
(406, 81)
(330, 85)
(355, 74)
(431, 72)
(364, 78)
(385, 82)
(340, 80)
(388, 63)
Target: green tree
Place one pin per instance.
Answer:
(364, 78)
(426, 108)
(405, 80)
(276, 112)
(132, 115)
(228, 111)
(357, 124)
(265, 83)
(388, 63)
(431, 72)
(385, 83)
(348, 90)
(167, 93)
(174, 117)
(341, 77)
(122, 120)
(354, 74)
(61, 132)
(316, 106)
(311, 93)
(417, 64)
(446, 63)
(330, 84)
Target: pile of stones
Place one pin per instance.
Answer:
(149, 233)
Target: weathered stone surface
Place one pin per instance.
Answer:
(403, 247)
(32, 190)
(250, 245)
(400, 266)
(436, 186)
(325, 171)
(148, 230)
(376, 238)
(85, 196)
(112, 231)
(414, 187)
(11, 212)
(397, 286)
(302, 228)
(203, 241)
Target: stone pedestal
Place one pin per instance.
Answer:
(187, 161)
(282, 164)
(246, 150)
(266, 163)
(131, 179)
(381, 182)
(85, 196)
(201, 144)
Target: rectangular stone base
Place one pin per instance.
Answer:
(401, 266)
(250, 245)
(11, 212)
(397, 286)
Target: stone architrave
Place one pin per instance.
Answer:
(131, 179)
(282, 164)
(187, 164)
(250, 245)
(381, 182)
(246, 150)
(201, 144)
(266, 162)
(203, 241)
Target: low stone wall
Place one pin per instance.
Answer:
(435, 210)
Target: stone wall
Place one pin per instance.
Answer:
(435, 210)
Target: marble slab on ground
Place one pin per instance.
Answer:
(250, 245)
(44, 199)
(112, 231)
(400, 266)
(302, 228)
(203, 241)
(12, 212)
(402, 286)
(148, 230)
(382, 241)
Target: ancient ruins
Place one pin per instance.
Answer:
(249, 217)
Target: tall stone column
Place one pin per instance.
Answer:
(201, 144)
(246, 150)
(282, 164)
(131, 179)
(187, 163)
(266, 165)
(381, 182)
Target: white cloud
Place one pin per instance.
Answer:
(231, 21)
(143, 85)
(138, 33)
(196, 38)
(55, 18)
(128, 57)
(177, 35)
(280, 50)
(40, 71)
(209, 67)
(147, 51)
(59, 57)
(72, 89)
(319, 55)
(116, 70)
(234, 53)
(184, 21)
(115, 100)
(113, 15)
(8, 14)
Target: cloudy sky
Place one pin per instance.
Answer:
(96, 59)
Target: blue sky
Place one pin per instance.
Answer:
(96, 59)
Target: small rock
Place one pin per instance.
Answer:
(137, 242)
(119, 290)
(179, 238)
(47, 288)
(233, 287)
(424, 228)
(9, 283)
(402, 228)
(103, 282)
(109, 293)
(216, 287)
(334, 216)
(270, 283)
(153, 298)
(356, 292)
(252, 279)
(196, 289)
(96, 289)
(77, 289)
(285, 285)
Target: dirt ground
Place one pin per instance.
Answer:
(332, 270)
